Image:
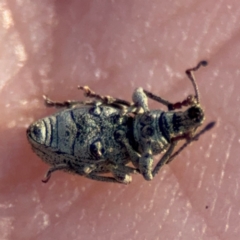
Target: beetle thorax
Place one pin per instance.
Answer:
(148, 129)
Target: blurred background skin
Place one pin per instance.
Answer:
(50, 47)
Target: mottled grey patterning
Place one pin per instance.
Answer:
(109, 139)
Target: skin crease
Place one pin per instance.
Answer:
(50, 47)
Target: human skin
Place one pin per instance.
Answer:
(51, 47)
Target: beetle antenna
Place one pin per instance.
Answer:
(190, 75)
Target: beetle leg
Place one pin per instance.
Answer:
(85, 169)
(121, 172)
(140, 102)
(134, 156)
(142, 162)
(146, 162)
(108, 100)
(127, 169)
(65, 104)
(102, 178)
(164, 158)
(53, 169)
(120, 175)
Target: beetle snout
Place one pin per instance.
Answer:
(196, 114)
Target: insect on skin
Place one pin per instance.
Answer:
(108, 139)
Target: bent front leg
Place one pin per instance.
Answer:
(142, 162)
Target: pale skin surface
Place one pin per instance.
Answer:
(113, 47)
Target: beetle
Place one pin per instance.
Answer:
(108, 139)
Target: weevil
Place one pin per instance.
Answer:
(108, 139)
